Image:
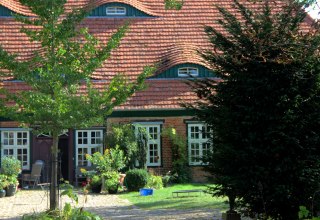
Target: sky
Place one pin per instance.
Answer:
(314, 11)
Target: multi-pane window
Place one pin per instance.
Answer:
(16, 144)
(87, 142)
(152, 133)
(188, 71)
(116, 10)
(198, 143)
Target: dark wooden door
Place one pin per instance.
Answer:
(63, 158)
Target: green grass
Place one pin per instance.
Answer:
(162, 199)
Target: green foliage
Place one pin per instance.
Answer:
(173, 4)
(181, 172)
(123, 135)
(95, 181)
(10, 166)
(136, 179)
(10, 169)
(154, 182)
(12, 180)
(141, 155)
(88, 173)
(58, 71)
(68, 190)
(68, 57)
(112, 160)
(305, 214)
(134, 146)
(68, 212)
(3, 181)
(263, 112)
(111, 180)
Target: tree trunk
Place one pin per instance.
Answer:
(54, 197)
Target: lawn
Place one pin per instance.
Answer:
(162, 199)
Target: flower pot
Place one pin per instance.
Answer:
(96, 189)
(2, 193)
(11, 190)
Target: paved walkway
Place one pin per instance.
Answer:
(107, 206)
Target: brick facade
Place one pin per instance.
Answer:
(179, 123)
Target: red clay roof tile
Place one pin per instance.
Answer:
(170, 38)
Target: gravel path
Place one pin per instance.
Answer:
(107, 206)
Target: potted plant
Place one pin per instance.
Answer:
(3, 184)
(107, 166)
(96, 184)
(11, 167)
(112, 182)
(11, 188)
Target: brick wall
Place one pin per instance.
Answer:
(198, 175)
(176, 122)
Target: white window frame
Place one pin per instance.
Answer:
(90, 146)
(151, 141)
(12, 143)
(116, 10)
(202, 141)
(188, 71)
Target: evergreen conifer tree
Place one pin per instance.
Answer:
(264, 112)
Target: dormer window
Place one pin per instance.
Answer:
(188, 71)
(5, 12)
(116, 10)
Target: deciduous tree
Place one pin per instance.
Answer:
(55, 74)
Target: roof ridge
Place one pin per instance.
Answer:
(15, 6)
(134, 3)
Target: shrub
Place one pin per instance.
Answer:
(112, 180)
(123, 135)
(111, 160)
(10, 166)
(136, 179)
(155, 182)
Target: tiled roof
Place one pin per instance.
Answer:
(168, 38)
(160, 94)
(141, 5)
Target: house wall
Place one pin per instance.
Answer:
(40, 146)
(198, 175)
